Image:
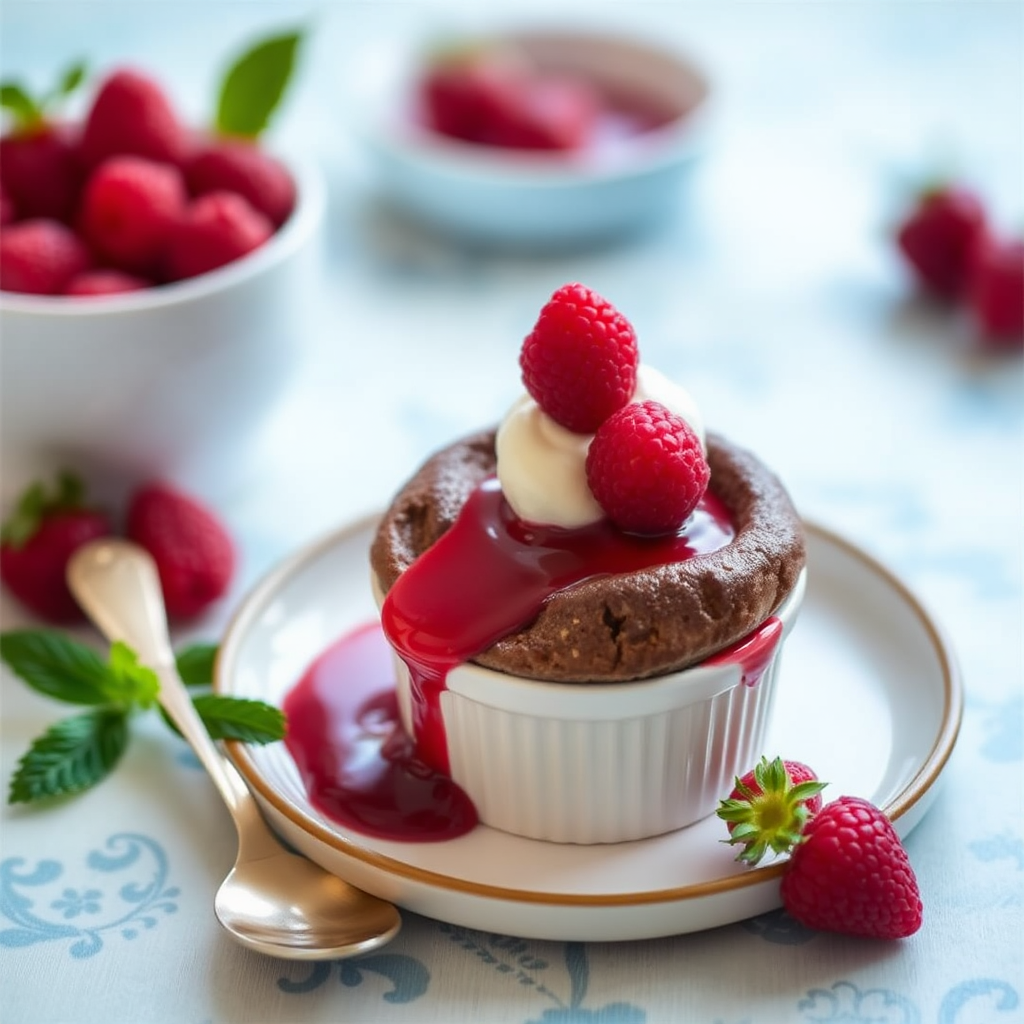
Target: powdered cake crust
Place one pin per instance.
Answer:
(631, 625)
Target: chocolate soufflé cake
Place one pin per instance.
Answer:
(616, 628)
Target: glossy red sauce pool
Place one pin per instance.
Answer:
(487, 576)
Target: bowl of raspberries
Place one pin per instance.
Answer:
(151, 274)
(538, 139)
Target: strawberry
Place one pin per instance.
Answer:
(39, 538)
(769, 807)
(850, 873)
(580, 360)
(40, 256)
(42, 174)
(131, 114)
(997, 291)
(129, 207)
(242, 167)
(39, 155)
(216, 229)
(938, 236)
(646, 468)
(193, 550)
(105, 282)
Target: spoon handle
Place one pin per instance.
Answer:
(117, 585)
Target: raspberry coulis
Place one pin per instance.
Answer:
(489, 575)
(356, 761)
(486, 577)
(753, 653)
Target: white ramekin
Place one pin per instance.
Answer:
(603, 763)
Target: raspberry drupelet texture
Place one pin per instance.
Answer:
(646, 468)
(851, 874)
(580, 360)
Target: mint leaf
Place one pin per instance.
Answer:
(254, 85)
(56, 666)
(71, 756)
(128, 682)
(195, 664)
(238, 718)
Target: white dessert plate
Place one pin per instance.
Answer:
(869, 695)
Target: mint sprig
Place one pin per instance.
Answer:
(254, 85)
(78, 752)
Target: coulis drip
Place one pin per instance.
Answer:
(490, 574)
(753, 653)
(486, 577)
(357, 763)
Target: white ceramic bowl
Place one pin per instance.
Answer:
(603, 763)
(172, 381)
(513, 197)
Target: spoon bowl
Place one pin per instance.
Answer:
(273, 901)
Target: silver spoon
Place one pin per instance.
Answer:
(272, 901)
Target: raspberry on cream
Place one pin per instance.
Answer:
(542, 466)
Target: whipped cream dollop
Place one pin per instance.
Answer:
(542, 465)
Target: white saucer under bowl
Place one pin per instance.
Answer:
(869, 695)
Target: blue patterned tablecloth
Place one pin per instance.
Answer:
(774, 295)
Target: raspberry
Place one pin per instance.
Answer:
(42, 175)
(243, 168)
(938, 236)
(8, 214)
(646, 468)
(40, 256)
(105, 282)
(192, 548)
(579, 362)
(492, 99)
(132, 114)
(996, 294)
(128, 209)
(851, 874)
(216, 229)
(546, 113)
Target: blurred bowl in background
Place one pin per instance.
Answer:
(627, 180)
(171, 381)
